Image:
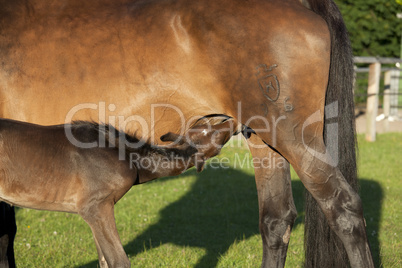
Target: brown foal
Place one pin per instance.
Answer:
(85, 168)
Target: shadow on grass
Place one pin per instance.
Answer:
(221, 208)
(372, 196)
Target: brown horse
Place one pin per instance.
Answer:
(158, 66)
(83, 172)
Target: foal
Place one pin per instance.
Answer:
(42, 168)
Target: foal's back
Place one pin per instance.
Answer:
(41, 169)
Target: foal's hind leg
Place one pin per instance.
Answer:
(101, 219)
(276, 207)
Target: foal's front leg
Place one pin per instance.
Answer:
(101, 256)
(276, 207)
(100, 218)
(8, 230)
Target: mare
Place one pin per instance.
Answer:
(282, 69)
(85, 168)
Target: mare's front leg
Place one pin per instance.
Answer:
(276, 207)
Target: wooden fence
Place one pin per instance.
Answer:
(391, 87)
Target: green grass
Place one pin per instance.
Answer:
(211, 219)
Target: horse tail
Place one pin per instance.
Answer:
(322, 247)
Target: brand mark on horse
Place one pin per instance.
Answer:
(288, 106)
(268, 82)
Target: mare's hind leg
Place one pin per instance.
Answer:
(340, 204)
(276, 207)
(100, 218)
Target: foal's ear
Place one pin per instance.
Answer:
(172, 137)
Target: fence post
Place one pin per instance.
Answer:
(387, 99)
(394, 88)
(372, 99)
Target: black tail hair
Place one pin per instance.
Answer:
(322, 246)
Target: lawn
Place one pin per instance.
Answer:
(210, 219)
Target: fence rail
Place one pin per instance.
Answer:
(391, 88)
(381, 60)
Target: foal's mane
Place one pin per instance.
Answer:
(107, 130)
(113, 137)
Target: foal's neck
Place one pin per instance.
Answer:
(154, 161)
